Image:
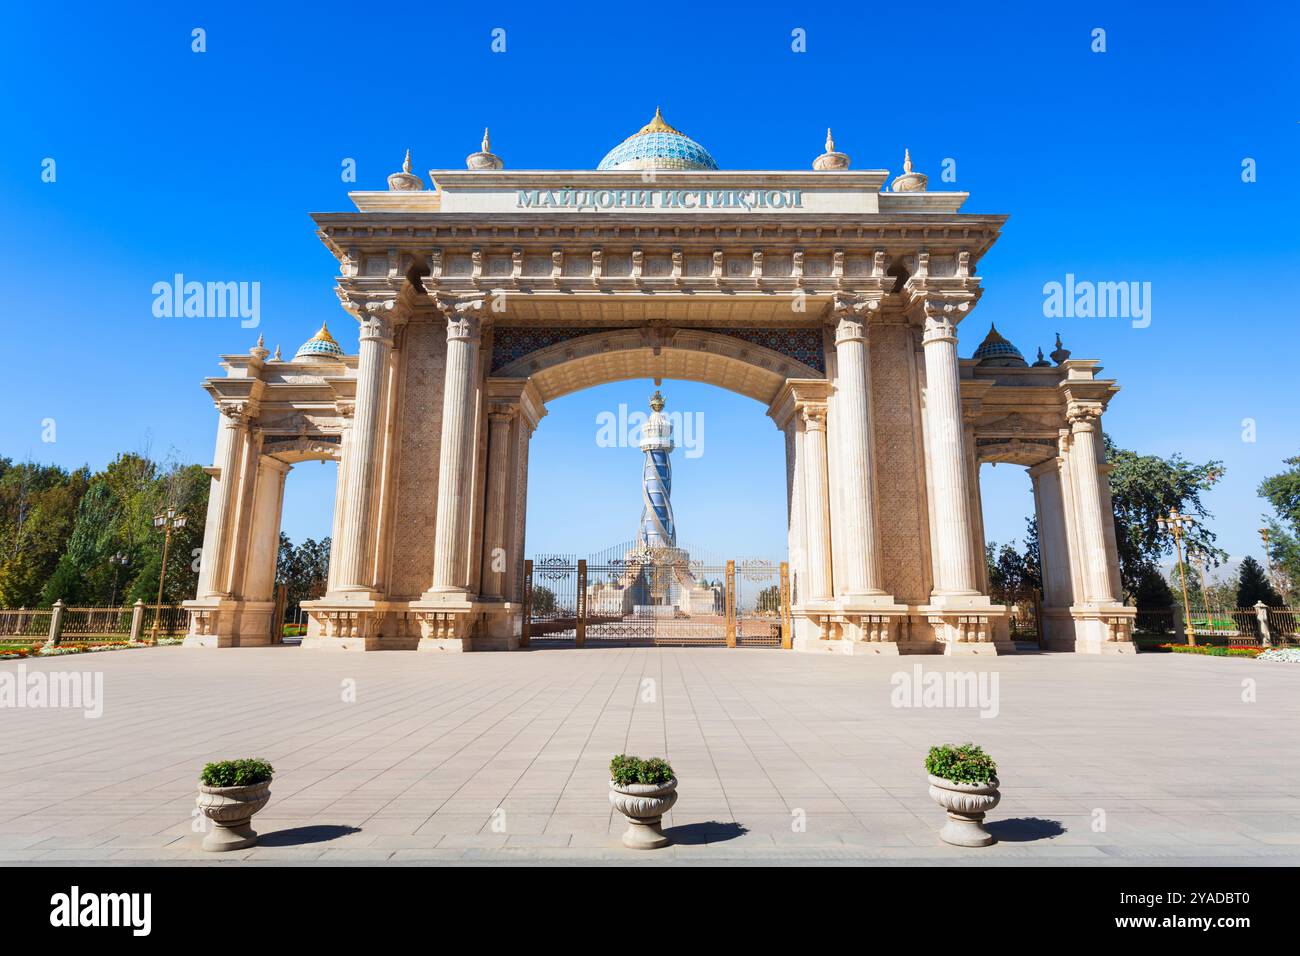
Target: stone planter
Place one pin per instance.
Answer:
(966, 804)
(231, 811)
(644, 805)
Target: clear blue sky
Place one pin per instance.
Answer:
(1117, 166)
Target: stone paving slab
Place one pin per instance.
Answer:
(783, 758)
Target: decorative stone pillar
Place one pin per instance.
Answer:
(214, 577)
(861, 539)
(1084, 421)
(372, 366)
(949, 473)
(495, 553)
(464, 332)
(817, 504)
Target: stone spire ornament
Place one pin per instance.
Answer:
(405, 180)
(909, 182)
(279, 358)
(1060, 353)
(1042, 362)
(259, 350)
(830, 160)
(484, 158)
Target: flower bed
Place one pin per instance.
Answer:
(1229, 650)
(64, 649)
(1288, 655)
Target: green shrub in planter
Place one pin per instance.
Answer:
(963, 763)
(236, 773)
(625, 770)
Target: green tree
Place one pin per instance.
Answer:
(1253, 585)
(303, 569)
(1282, 491)
(1144, 488)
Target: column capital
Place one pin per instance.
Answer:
(239, 413)
(849, 314)
(940, 316)
(465, 315)
(814, 416)
(501, 413)
(1084, 416)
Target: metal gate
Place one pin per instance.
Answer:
(655, 597)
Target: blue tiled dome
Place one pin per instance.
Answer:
(320, 346)
(997, 351)
(658, 146)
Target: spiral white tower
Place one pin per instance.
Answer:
(657, 527)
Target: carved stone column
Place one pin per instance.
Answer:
(495, 553)
(949, 472)
(1085, 420)
(214, 569)
(861, 538)
(817, 503)
(354, 551)
(464, 332)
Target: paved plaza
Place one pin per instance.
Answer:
(782, 757)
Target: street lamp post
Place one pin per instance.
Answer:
(166, 520)
(118, 561)
(1199, 560)
(1177, 525)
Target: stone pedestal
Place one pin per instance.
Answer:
(225, 622)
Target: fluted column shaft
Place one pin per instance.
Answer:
(817, 503)
(372, 365)
(861, 539)
(215, 564)
(949, 473)
(494, 530)
(450, 570)
(1084, 424)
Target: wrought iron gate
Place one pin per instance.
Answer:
(639, 596)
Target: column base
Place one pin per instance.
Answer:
(227, 622)
(450, 622)
(969, 624)
(347, 621)
(1104, 629)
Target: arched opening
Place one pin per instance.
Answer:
(290, 528)
(307, 535)
(593, 493)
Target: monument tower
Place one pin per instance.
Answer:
(657, 527)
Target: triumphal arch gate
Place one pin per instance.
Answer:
(835, 297)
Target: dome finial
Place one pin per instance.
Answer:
(484, 159)
(405, 181)
(830, 160)
(657, 401)
(321, 347)
(1060, 353)
(909, 182)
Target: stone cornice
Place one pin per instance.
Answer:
(899, 232)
